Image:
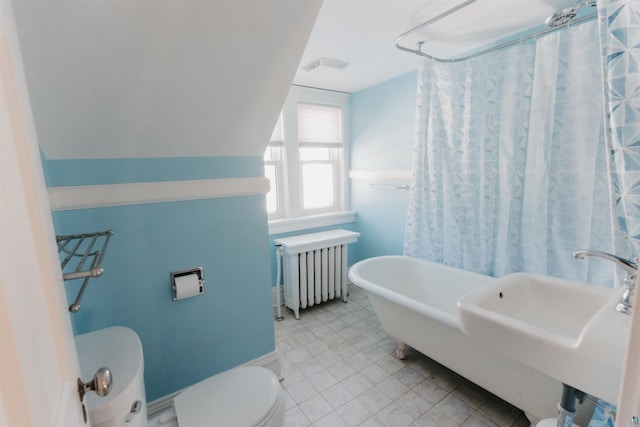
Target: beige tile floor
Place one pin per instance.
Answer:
(338, 371)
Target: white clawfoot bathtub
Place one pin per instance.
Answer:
(416, 303)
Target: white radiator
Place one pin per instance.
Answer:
(315, 267)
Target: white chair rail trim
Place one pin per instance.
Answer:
(108, 195)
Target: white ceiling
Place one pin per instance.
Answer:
(167, 78)
(363, 33)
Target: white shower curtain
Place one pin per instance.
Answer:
(510, 170)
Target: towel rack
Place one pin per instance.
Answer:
(83, 255)
(389, 186)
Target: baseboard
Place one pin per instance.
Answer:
(270, 361)
(159, 405)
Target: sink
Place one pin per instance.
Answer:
(567, 330)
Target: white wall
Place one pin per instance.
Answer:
(123, 79)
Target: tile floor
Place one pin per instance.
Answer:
(338, 371)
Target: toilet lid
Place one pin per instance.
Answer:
(239, 397)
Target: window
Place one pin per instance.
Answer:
(305, 160)
(320, 151)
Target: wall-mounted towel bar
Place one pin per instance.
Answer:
(404, 187)
(80, 251)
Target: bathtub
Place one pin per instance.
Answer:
(416, 303)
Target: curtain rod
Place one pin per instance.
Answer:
(418, 51)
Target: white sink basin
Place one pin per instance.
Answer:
(567, 330)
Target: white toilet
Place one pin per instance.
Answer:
(241, 397)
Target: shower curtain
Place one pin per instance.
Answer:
(510, 166)
(620, 30)
(619, 21)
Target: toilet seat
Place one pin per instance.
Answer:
(242, 397)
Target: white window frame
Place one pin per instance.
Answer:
(293, 216)
(280, 181)
(276, 145)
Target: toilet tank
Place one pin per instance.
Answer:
(119, 349)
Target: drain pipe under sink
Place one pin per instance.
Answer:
(566, 408)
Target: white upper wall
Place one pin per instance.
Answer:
(141, 78)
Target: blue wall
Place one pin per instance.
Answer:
(382, 134)
(188, 340)
(118, 171)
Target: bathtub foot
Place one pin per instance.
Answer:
(401, 351)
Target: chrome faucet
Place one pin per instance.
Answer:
(630, 267)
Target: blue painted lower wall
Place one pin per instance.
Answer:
(191, 339)
(381, 220)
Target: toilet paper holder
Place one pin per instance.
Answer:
(198, 271)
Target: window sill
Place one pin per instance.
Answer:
(279, 226)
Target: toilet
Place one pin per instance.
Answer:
(241, 397)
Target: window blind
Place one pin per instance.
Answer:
(319, 125)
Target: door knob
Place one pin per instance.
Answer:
(100, 384)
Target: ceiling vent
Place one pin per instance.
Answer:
(325, 62)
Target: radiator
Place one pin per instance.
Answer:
(315, 268)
